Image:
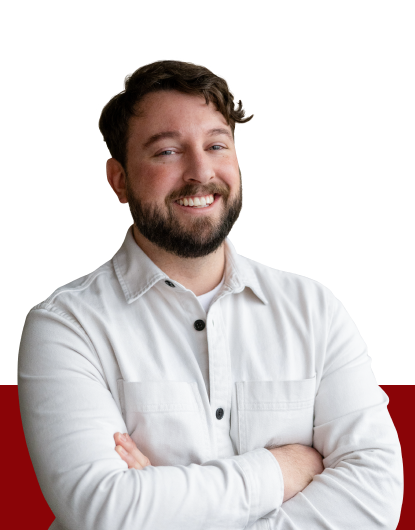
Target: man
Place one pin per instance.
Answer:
(245, 394)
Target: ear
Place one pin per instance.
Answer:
(117, 179)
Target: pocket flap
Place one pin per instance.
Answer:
(276, 395)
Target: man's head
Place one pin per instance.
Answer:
(171, 135)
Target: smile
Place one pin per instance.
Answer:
(196, 202)
(198, 208)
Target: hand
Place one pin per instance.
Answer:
(299, 464)
(129, 452)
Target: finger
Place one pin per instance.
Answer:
(124, 454)
(128, 444)
(128, 459)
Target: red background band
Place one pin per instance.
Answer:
(23, 505)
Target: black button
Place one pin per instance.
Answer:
(219, 414)
(170, 284)
(199, 325)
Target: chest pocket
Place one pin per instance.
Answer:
(166, 421)
(275, 412)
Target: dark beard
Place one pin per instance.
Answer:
(201, 238)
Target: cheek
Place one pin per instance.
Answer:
(153, 182)
(228, 171)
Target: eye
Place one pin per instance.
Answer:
(166, 152)
(170, 151)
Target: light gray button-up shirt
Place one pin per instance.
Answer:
(118, 350)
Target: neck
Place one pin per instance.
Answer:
(200, 275)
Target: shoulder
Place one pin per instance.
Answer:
(290, 292)
(89, 290)
(283, 281)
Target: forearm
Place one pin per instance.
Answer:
(361, 486)
(231, 492)
(348, 497)
(88, 486)
(173, 497)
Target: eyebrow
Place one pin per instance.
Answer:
(176, 134)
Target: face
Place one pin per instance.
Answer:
(182, 176)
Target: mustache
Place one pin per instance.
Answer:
(190, 189)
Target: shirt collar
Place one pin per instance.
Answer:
(137, 273)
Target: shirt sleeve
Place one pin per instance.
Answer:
(362, 483)
(70, 416)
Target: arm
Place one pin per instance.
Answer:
(361, 486)
(69, 417)
(299, 464)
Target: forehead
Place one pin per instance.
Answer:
(165, 110)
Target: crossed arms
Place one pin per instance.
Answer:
(298, 463)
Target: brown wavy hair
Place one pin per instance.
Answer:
(164, 75)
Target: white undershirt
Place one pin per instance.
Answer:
(206, 299)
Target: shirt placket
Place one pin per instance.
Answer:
(220, 380)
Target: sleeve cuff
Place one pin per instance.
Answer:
(266, 484)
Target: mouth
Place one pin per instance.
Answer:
(203, 201)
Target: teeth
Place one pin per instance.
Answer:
(197, 202)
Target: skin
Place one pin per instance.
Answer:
(201, 152)
(129, 452)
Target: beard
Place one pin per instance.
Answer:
(201, 236)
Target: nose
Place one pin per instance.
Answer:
(199, 168)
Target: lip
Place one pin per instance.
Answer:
(198, 211)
